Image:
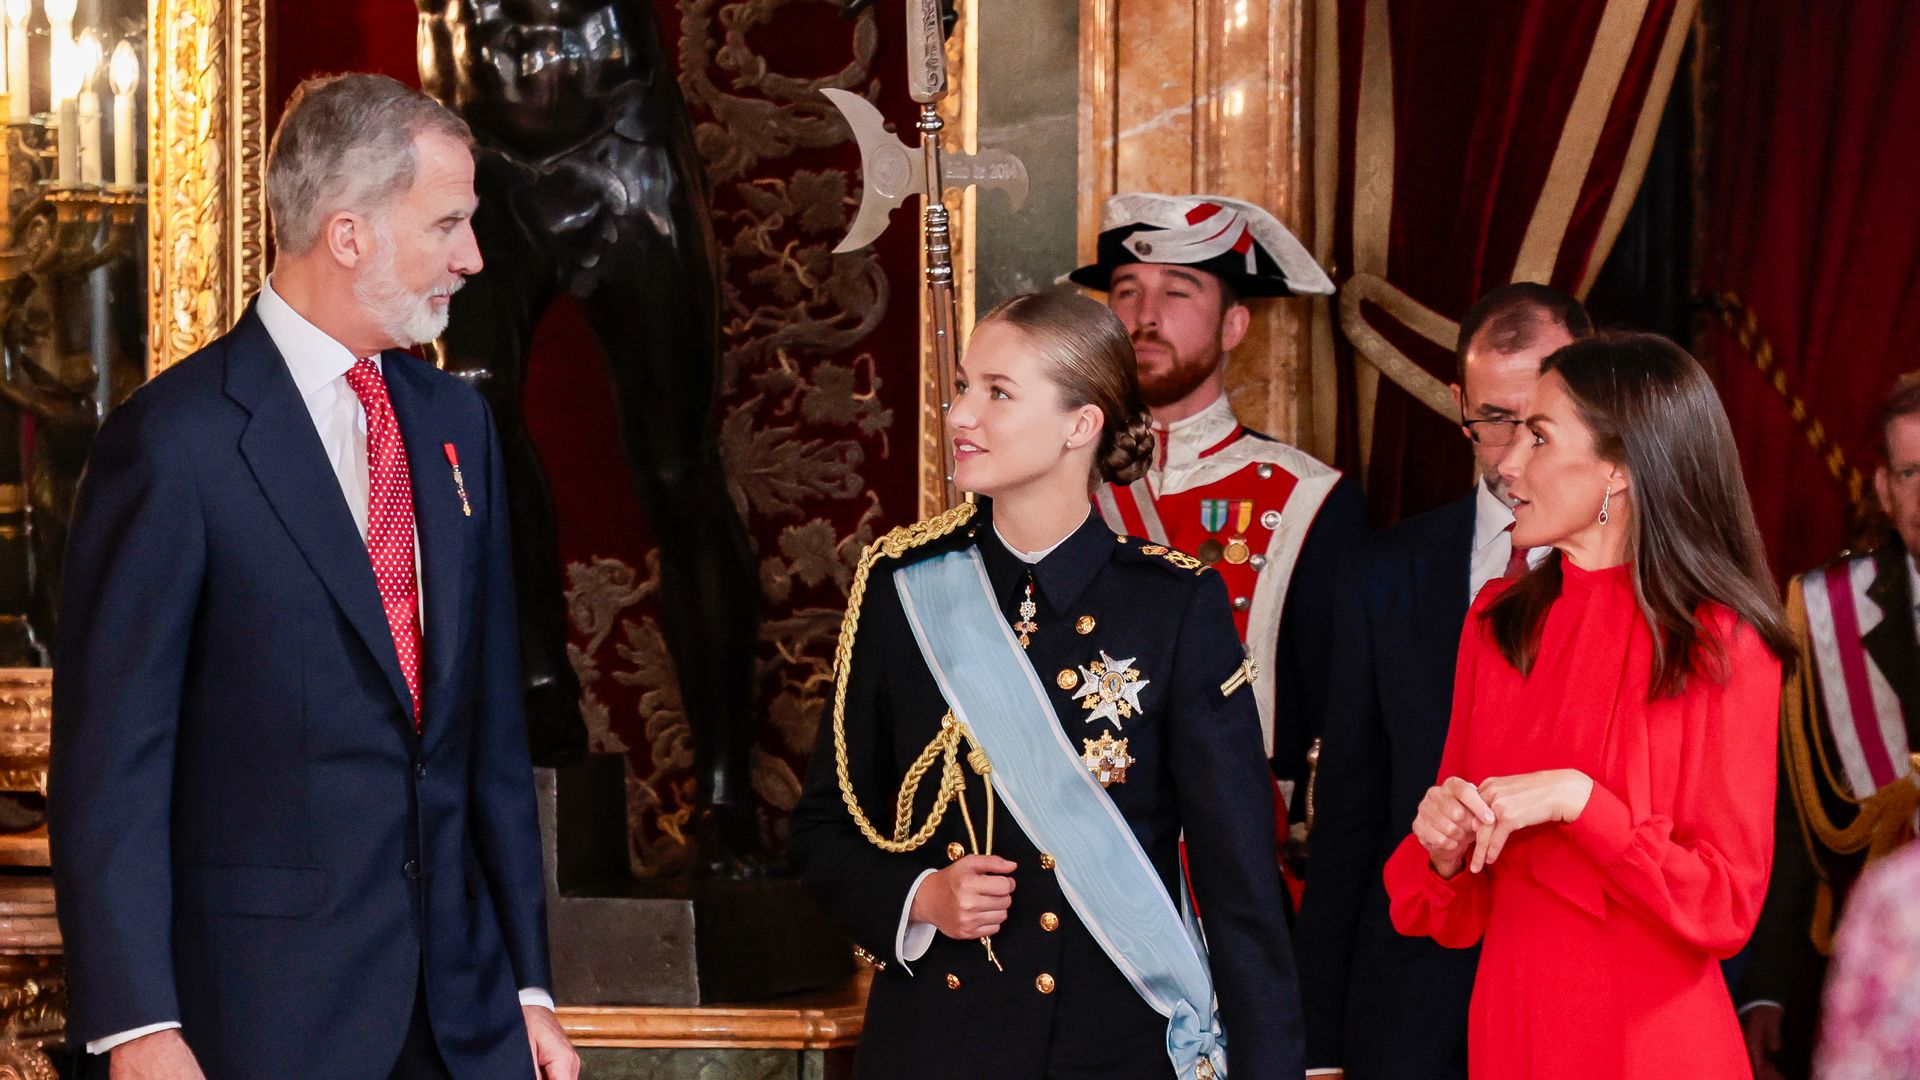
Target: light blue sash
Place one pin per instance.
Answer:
(986, 679)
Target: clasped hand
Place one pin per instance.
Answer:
(969, 899)
(1465, 825)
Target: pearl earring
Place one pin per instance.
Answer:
(1603, 506)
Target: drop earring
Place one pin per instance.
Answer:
(1603, 506)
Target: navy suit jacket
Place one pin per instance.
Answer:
(1382, 1005)
(248, 836)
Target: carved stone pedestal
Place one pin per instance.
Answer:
(810, 1037)
(621, 941)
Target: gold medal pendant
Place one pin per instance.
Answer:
(1026, 627)
(1106, 758)
(1237, 551)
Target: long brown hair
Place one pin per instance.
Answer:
(1692, 535)
(1089, 357)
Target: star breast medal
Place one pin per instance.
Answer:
(1110, 689)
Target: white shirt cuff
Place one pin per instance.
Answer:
(101, 1046)
(1326, 1072)
(912, 939)
(534, 995)
(1751, 1005)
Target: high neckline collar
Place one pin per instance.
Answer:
(1062, 574)
(1186, 441)
(1575, 579)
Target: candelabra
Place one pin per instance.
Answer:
(72, 331)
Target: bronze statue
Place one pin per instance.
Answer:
(589, 181)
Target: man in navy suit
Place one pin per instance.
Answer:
(1382, 1006)
(291, 808)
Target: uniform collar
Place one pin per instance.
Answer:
(1062, 575)
(1184, 442)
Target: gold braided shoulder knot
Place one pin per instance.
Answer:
(945, 747)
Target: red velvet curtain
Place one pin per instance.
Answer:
(1813, 252)
(1482, 97)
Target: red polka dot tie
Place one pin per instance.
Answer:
(390, 522)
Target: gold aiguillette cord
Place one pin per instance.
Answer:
(977, 758)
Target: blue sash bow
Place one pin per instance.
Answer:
(1104, 873)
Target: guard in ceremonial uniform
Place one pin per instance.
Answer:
(1272, 520)
(1062, 717)
(1850, 753)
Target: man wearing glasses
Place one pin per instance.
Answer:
(1377, 1004)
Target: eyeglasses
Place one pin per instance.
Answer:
(1491, 432)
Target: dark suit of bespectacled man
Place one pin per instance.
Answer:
(291, 809)
(1379, 1005)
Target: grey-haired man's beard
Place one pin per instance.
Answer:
(407, 317)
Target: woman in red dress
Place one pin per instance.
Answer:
(1603, 819)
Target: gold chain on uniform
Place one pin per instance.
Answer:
(944, 745)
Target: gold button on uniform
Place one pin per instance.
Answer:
(955, 851)
(1046, 862)
(1049, 922)
(1044, 983)
(1067, 679)
(953, 981)
(1084, 624)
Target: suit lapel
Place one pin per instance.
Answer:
(441, 525)
(1443, 569)
(1892, 643)
(285, 454)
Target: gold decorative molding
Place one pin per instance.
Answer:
(206, 168)
(826, 1021)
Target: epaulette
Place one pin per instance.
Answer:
(1178, 561)
(1846, 555)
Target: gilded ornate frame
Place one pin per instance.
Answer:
(206, 168)
(207, 233)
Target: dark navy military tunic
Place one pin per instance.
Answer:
(1061, 1010)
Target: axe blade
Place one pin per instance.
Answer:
(890, 172)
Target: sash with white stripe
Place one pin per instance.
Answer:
(1864, 717)
(1103, 871)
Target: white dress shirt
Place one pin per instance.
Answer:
(319, 366)
(1493, 540)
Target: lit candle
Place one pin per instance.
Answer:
(89, 56)
(66, 89)
(124, 76)
(66, 92)
(19, 83)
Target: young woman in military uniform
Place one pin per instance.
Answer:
(1029, 713)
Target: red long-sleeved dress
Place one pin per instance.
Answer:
(1600, 937)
